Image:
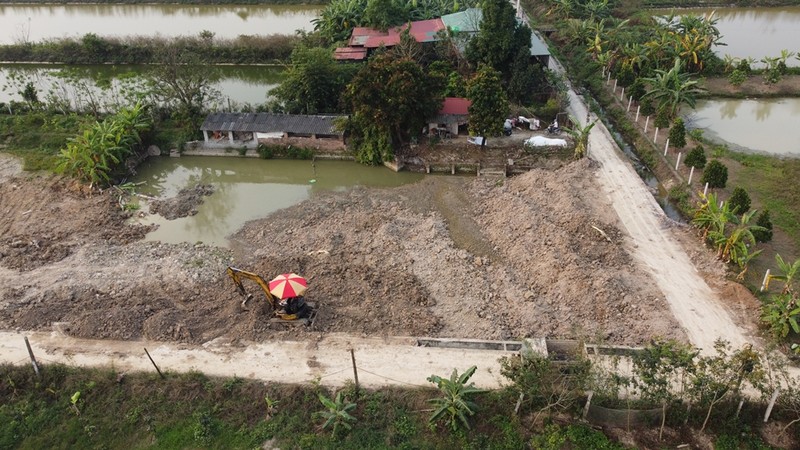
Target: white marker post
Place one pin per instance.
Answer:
(691, 172)
(678, 161)
(615, 85)
(705, 190)
(630, 100)
(655, 136)
(622, 94)
(608, 78)
(764, 283)
(638, 107)
(666, 147)
(646, 121)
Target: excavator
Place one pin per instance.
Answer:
(294, 310)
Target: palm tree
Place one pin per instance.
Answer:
(672, 88)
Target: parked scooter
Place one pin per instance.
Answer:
(553, 128)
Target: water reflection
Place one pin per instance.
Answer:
(38, 22)
(755, 32)
(238, 84)
(247, 189)
(766, 125)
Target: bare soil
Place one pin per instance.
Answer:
(754, 86)
(540, 254)
(182, 205)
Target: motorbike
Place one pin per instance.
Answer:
(553, 129)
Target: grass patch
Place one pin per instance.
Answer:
(768, 181)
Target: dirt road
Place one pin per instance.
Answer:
(654, 246)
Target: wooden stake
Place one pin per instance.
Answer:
(33, 358)
(355, 370)
(771, 404)
(519, 402)
(154, 364)
(588, 403)
(739, 409)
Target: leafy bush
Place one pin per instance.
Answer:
(696, 158)
(677, 133)
(715, 174)
(337, 415)
(763, 220)
(662, 118)
(737, 77)
(739, 201)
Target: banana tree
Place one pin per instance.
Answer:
(742, 233)
(581, 136)
(455, 406)
(673, 88)
(710, 216)
(788, 274)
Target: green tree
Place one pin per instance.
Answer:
(739, 201)
(525, 78)
(542, 383)
(722, 375)
(30, 94)
(183, 82)
(660, 371)
(391, 100)
(696, 158)
(500, 38)
(384, 14)
(337, 19)
(677, 133)
(763, 220)
(489, 103)
(314, 82)
(455, 406)
(715, 174)
(337, 413)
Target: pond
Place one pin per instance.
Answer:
(247, 189)
(754, 32)
(237, 84)
(33, 23)
(762, 125)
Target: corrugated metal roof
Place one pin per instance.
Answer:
(538, 47)
(271, 123)
(455, 105)
(350, 53)
(421, 31)
(467, 21)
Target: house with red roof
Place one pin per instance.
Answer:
(453, 114)
(363, 40)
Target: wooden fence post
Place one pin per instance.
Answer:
(33, 358)
(154, 364)
(355, 370)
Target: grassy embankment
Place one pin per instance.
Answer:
(194, 411)
(175, 2)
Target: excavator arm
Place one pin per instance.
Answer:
(238, 274)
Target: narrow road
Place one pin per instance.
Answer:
(380, 361)
(696, 307)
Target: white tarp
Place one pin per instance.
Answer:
(541, 141)
(273, 135)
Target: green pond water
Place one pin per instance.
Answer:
(247, 189)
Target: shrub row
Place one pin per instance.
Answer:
(92, 49)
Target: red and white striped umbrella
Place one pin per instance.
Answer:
(288, 285)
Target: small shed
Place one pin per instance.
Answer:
(233, 128)
(453, 113)
(539, 49)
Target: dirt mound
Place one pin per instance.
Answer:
(449, 257)
(182, 205)
(44, 219)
